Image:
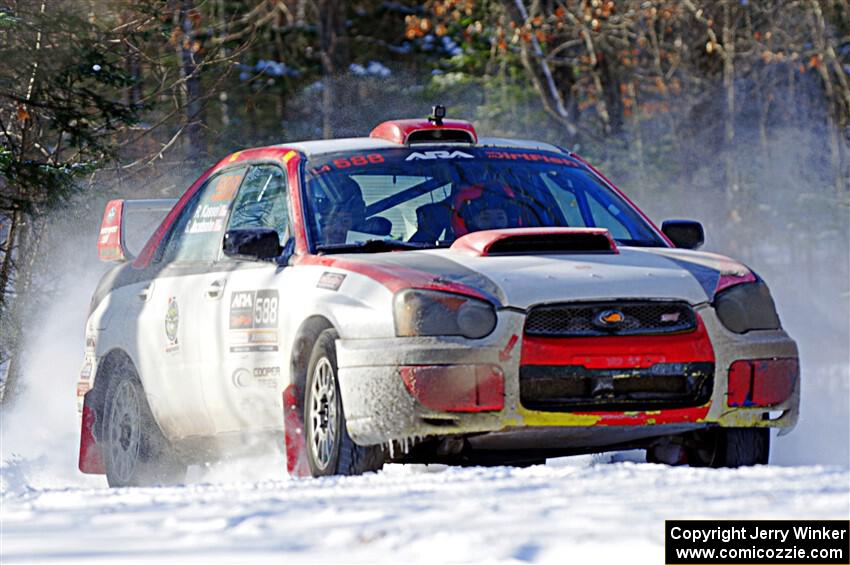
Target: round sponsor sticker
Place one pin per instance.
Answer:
(172, 320)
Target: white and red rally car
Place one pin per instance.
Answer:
(422, 295)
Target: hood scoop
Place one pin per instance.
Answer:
(536, 241)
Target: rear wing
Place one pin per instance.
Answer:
(112, 241)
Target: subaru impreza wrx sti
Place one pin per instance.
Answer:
(422, 295)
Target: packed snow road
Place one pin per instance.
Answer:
(599, 507)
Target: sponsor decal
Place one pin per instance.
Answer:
(261, 348)
(85, 373)
(253, 309)
(253, 320)
(429, 155)
(241, 377)
(172, 322)
(111, 214)
(267, 376)
(542, 157)
(330, 281)
(106, 232)
(225, 188)
(82, 389)
(260, 372)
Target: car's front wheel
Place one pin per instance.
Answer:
(728, 447)
(330, 450)
(135, 452)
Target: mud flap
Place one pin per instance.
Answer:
(293, 425)
(91, 459)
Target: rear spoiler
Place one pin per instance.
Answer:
(111, 244)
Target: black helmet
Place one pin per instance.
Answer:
(340, 194)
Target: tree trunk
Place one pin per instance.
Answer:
(333, 40)
(733, 186)
(6, 266)
(190, 53)
(537, 69)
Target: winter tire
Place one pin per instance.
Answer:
(134, 450)
(729, 447)
(330, 450)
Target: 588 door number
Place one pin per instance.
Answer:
(265, 309)
(254, 309)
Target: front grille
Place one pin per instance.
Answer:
(578, 319)
(560, 388)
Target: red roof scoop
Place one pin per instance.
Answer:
(536, 241)
(433, 130)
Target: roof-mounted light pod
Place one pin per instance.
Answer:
(436, 129)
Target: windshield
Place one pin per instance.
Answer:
(428, 197)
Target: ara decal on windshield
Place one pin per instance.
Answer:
(172, 322)
(429, 155)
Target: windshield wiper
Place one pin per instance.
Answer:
(372, 246)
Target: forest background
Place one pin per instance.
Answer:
(733, 112)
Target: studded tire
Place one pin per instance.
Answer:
(135, 452)
(330, 450)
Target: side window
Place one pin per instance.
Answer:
(262, 201)
(197, 233)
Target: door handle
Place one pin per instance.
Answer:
(215, 289)
(145, 293)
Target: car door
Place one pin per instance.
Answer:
(243, 372)
(169, 332)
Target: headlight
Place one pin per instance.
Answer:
(428, 312)
(746, 307)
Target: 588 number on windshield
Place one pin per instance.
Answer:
(348, 162)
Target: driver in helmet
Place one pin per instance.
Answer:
(340, 208)
(478, 207)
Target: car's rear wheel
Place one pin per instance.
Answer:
(135, 452)
(728, 447)
(330, 450)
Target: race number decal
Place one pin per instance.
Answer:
(253, 309)
(253, 321)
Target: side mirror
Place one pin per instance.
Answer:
(252, 243)
(685, 234)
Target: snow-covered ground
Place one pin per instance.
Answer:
(598, 508)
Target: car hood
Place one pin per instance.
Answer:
(521, 281)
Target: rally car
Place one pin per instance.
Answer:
(422, 295)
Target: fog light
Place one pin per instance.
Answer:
(456, 388)
(762, 382)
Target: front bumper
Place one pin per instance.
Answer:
(380, 408)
